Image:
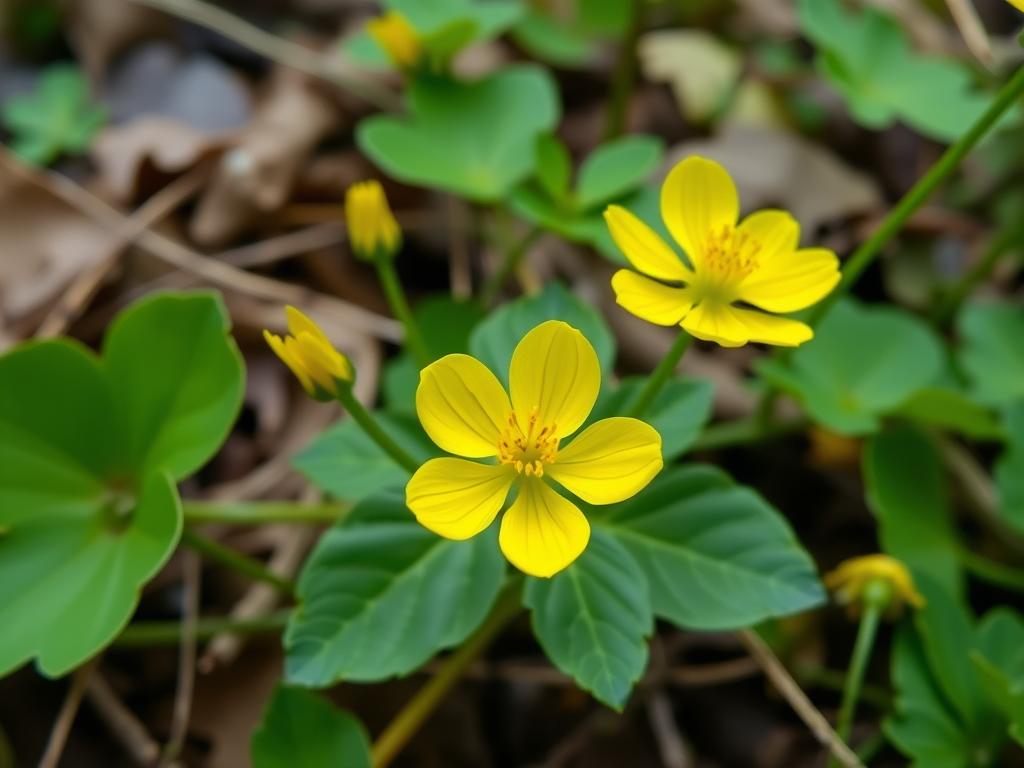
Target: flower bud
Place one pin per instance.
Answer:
(309, 354)
(372, 229)
(876, 580)
(396, 36)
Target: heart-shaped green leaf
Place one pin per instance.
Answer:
(302, 730)
(716, 555)
(381, 594)
(89, 452)
(863, 362)
(476, 140)
(593, 619)
(992, 351)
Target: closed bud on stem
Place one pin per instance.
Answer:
(307, 351)
(876, 581)
(398, 38)
(372, 229)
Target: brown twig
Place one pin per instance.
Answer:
(122, 723)
(186, 662)
(972, 30)
(674, 751)
(797, 699)
(66, 717)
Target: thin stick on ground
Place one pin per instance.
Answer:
(66, 717)
(186, 663)
(122, 723)
(797, 699)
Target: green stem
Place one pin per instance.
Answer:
(741, 431)
(373, 430)
(236, 561)
(400, 307)
(262, 512)
(146, 633)
(624, 75)
(660, 375)
(419, 708)
(992, 571)
(866, 633)
(513, 258)
(862, 258)
(958, 292)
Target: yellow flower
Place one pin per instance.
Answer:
(756, 262)
(874, 577)
(554, 378)
(372, 228)
(396, 36)
(311, 356)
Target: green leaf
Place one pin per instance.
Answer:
(999, 662)
(476, 140)
(866, 56)
(953, 410)
(615, 168)
(554, 167)
(78, 561)
(494, 339)
(907, 491)
(716, 555)
(347, 464)
(863, 363)
(1009, 469)
(553, 40)
(302, 730)
(992, 351)
(55, 118)
(381, 594)
(593, 618)
(679, 412)
(178, 378)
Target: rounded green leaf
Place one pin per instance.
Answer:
(716, 555)
(593, 619)
(494, 339)
(863, 362)
(177, 377)
(992, 351)
(381, 594)
(616, 168)
(1009, 469)
(302, 730)
(476, 140)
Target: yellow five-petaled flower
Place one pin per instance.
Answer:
(756, 262)
(554, 379)
(309, 354)
(372, 229)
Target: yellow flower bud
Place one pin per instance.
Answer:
(372, 228)
(880, 579)
(309, 354)
(396, 36)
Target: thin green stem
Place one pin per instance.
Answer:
(236, 561)
(147, 633)
(625, 74)
(742, 431)
(373, 430)
(863, 645)
(510, 263)
(993, 572)
(660, 375)
(262, 512)
(400, 307)
(419, 708)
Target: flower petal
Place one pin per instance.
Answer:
(456, 498)
(542, 533)
(698, 196)
(643, 246)
(285, 349)
(734, 327)
(298, 323)
(650, 300)
(555, 374)
(793, 281)
(462, 406)
(611, 460)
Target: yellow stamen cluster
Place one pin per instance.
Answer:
(530, 449)
(396, 36)
(310, 355)
(860, 580)
(372, 228)
(731, 254)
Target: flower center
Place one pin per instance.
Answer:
(729, 256)
(528, 447)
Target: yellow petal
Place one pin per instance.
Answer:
(462, 406)
(542, 533)
(299, 322)
(734, 327)
(322, 362)
(650, 300)
(611, 460)
(698, 196)
(283, 349)
(643, 246)
(456, 498)
(793, 281)
(555, 374)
